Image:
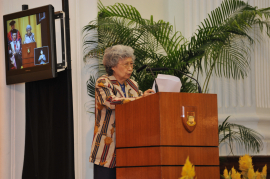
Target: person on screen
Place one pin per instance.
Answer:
(42, 58)
(15, 53)
(29, 37)
(12, 31)
(112, 89)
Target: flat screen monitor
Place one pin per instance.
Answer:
(30, 50)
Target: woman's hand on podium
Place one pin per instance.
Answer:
(147, 93)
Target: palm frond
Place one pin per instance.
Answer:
(221, 44)
(90, 84)
(242, 136)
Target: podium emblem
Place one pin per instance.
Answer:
(189, 118)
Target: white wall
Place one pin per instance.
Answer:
(4, 113)
(5, 103)
(246, 101)
(81, 13)
(158, 8)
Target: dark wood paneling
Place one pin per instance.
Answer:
(26, 65)
(156, 120)
(173, 131)
(164, 172)
(201, 172)
(137, 123)
(31, 47)
(28, 57)
(148, 156)
(155, 123)
(138, 173)
(197, 155)
(28, 60)
(151, 156)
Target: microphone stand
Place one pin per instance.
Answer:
(148, 68)
(156, 86)
(199, 87)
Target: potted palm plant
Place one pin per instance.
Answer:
(220, 46)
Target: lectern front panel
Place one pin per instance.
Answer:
(155, 135)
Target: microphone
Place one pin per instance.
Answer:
(158, 69)
(165, 68)
(141, 68)
(149, 69)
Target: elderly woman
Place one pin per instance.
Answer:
(114, 88)
(29, 37)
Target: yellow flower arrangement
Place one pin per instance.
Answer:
(233, 173)
(258, 175)
(251, 173)
(188, 171)
(245, 165)
(226, 174)
(237, 176)
(264, 172)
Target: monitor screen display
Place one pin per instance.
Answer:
(30, 45)
(22, 31)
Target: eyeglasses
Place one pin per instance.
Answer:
(127, 65)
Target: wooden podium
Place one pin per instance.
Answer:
(28, 54)
(155, 135)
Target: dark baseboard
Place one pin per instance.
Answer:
(233, 161)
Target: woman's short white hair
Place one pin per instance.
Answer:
(115, 53)
(28, 27)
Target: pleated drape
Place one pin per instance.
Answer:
(49, 143)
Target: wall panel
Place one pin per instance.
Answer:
(245, 100)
